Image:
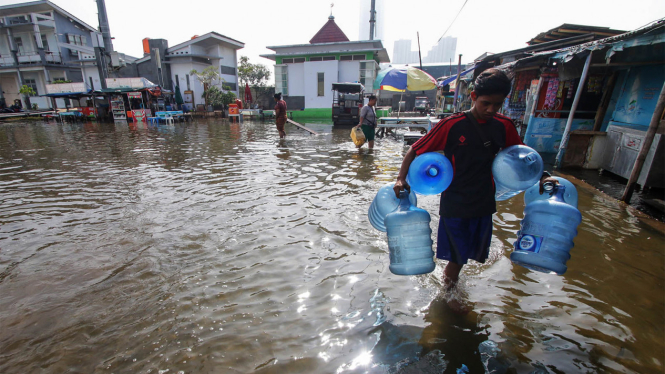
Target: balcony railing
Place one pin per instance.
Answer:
(26, 58)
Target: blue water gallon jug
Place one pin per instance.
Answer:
(385, 202)
(533, 193)
(547, 232)
(409, 239)
(515, 169)
(430, 174)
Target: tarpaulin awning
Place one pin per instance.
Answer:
(68, 94)
(452, 78)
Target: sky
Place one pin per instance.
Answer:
(482, 25)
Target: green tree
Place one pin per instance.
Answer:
(27, 91)
(256, 75)
(207, 77)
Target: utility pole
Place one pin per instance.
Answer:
(102, 54)
(459, 71)
(372, 20)
(646, 145)
(419, 56)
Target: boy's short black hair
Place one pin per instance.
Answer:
(278, 96)
(371, 97)
(491, 82)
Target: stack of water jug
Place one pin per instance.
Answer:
(547, 230)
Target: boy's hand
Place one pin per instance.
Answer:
(545, 179)
(401, 185)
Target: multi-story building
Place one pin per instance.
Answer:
(40, 43)
(304, 73)
(176, 63)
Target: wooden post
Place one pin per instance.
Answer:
(646, 145)
(605, 102)
(573, 108)
(459, 71)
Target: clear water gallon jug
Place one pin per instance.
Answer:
(547, 232)
(533, 193)
(385, 202)
(515, 169)
(430, 174)
(409, 239)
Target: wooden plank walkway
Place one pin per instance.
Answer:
(301, 126)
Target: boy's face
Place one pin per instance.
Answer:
(486, 106)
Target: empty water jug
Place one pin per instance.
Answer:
(430, 174)
(409, 239)
(515, 169)
(547, 232)
(533, 193)
(385, 202)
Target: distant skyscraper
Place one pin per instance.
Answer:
(442, 52)
(363, 31)
(401, 52)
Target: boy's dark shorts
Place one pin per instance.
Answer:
(462, 239)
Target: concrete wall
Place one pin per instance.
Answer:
(331, 75)
(349, 71)
(296, 76)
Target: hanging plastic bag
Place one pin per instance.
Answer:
(357, 136)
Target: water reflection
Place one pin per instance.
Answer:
(216, 247)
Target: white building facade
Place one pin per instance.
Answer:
(304, 73)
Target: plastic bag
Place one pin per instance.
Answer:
(357, 136)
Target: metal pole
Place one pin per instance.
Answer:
(573, 108)
(372, 20)
(419, 56)
(459, 71)
(646, 145)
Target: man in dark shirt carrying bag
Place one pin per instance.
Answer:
(470, 140)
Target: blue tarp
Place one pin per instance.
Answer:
(448, 80)
(68, 94)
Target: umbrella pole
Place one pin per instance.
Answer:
(399, 107)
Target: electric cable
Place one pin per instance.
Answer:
(451, 24)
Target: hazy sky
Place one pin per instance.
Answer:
(482, 26)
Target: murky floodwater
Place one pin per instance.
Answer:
(215, 248)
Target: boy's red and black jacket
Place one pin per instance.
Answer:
(471, 193)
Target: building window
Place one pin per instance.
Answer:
(322, 58)
(32, 83)
(293, 60)
(346, 58)
(187, 77)
(320, 82)
(45, 43)
(228, 70)
(177, 81)
(281, 79)
(18, 42)
(352, 57)
(367, 74)
(76, 40)
(230, 86)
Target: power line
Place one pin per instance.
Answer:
(451, 24)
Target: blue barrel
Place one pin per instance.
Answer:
(384, 203)
(515, 169)
(409, 239)
(533, 193)
(546, 235)
(430, 174)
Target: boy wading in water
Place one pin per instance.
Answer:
(470, 140)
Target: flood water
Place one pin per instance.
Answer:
(212, 247)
